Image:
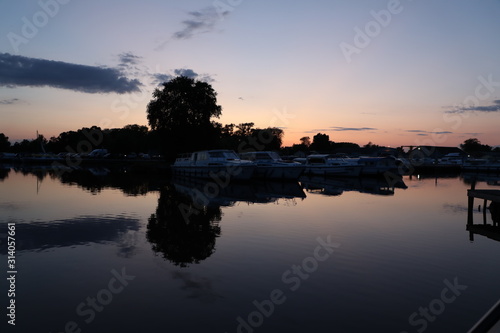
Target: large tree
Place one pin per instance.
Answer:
(182, 112)
(473, 145)
(321, 142)
(4, 142)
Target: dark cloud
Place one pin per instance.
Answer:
(340, 129)
(336, 128)
(318, 130)
(200, 21)
(186, 72)
(495, 107)
(159, 78)
(31, 72)
(128, 58)
(10, 101)
(427, 132)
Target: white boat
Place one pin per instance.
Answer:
(326, 165)
(450, 160)
(372, 166)
(271, 166)
(215, 164)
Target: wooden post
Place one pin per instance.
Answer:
(470, 207)
(484, 210)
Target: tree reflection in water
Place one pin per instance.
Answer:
(4, 173)
(183, 238)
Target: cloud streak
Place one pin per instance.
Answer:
(200, 21)
(426, 133)
(318, 130)
(495, 107)
(32, 72)
(10, 101)
(341, 129)
(128, 58)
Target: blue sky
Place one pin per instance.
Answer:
(391, 72)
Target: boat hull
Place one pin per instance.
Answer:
(319, 170)
(224, 172)
(286, 171)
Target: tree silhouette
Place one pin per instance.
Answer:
(4, 142)
(473, 145)
(321, 142)
(183, 238)
(182, 113)
(305, 140)
(4, 173)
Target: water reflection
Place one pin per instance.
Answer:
(210, 193)
(197, 287)
(4, 173)
(337, 186)
(82, 230)
(181, 231)
(186, 223)
(69, 236)
(130, 182)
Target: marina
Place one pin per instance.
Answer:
(250, 166)
(212, 250)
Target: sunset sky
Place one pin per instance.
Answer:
(391, 72)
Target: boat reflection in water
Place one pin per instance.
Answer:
(185, 225)
(336, 186)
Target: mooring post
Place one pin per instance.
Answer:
(484, 210)
(470, 208)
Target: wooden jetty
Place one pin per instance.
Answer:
(491, 231)
(490, 322)
(486, 195)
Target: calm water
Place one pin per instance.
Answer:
(101, 251)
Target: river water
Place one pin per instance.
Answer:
(100, 250)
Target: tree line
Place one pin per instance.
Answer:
(181, 119)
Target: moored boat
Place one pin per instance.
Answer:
(271, 166)
(373, 166)
(326, 165)
(213, 164)
(451, 160)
